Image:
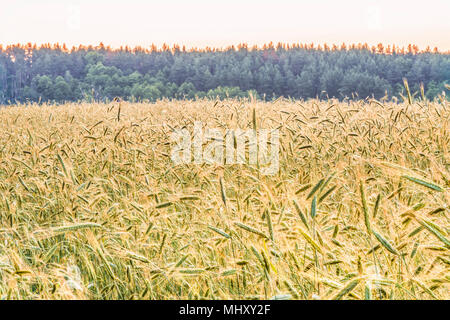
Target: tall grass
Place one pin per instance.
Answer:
(92, 207)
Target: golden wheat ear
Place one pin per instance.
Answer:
(93, 207)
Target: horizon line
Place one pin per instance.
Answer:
(376, 48)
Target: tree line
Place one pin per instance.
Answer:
(53, 73)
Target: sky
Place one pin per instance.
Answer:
(219, 23)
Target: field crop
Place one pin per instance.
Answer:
(92, 206)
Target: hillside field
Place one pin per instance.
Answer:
(93, 207)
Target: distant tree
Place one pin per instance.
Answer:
(186, 91)
(53, 73)
(43, 85)
(93, 58)
(29, 94)
(226, 92)
(61, 90)
(330, 81)
(434, 89)
(143, 92)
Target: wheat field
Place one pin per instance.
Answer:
(92, 206)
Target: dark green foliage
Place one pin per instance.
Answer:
(56, 74)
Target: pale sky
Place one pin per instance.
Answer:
(218, 23)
